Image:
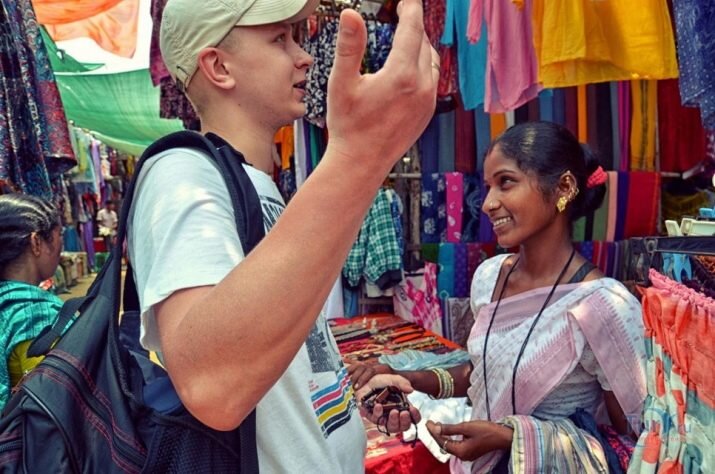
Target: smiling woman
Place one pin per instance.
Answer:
(547, 325)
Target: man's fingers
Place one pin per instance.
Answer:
(408, 35)
(350, 48)
(451, 430)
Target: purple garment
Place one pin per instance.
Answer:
(87, 229)
(461, 277)
(485, 226)
(624, 123)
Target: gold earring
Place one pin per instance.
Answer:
(561, 203)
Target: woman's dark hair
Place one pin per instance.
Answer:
(20, 216)
(548, 150)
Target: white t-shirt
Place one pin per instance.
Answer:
(107, 218)
(186, 237)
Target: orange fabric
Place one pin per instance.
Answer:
(115, 30)
(58, 12)
(284, 137)
(582, 114)
(497, 124)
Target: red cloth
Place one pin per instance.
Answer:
(680, 130)
(643, 202)
(465, 147)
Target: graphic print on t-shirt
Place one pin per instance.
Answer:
(331, 391)
(334, 402)
(272, 209)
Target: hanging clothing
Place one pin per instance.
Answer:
(375, 255)
(645, 106)
(433, 209)
(472, 57)
(416, 299)
(581, 42)
(681, 138)
(680, 407)
(322, 48)
(434, 15)
(511, 72)
(567, 364)
(694, 24)
(34, 140)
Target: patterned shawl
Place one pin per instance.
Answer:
(600, 314)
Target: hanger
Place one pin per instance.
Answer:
(647, 252)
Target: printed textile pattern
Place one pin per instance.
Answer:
(34, 138)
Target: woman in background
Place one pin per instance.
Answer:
(30, 246)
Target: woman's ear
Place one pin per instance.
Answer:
(567, 187)
(35, 244)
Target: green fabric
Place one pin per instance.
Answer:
(24, 311)
(430, 253)
(376, 253)
(61, 61)
(579, 230)
(600, 220)
(122, 109)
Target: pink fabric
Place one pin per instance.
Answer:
(612, 205)
(512, 69)
(624, 122)
(416, 299)
(455, 204)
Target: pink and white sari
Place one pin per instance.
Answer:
(589, 339)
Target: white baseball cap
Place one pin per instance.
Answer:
(188, 26)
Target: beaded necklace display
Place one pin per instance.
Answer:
(526, 340)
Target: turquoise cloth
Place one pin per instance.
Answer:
(25, 310)
(421, 360)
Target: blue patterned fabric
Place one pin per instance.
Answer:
(695, 29)
(472, 208)
(34, 139)
(434, 212)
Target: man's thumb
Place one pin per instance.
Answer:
(350, 48)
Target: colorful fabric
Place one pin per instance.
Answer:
(680, 408)
(429, 148)
(445, 276)
(567, 363)
(322, 48)
(511, 65)
(645, 105)
(553, 446)
(114, 30)
(465, 147)
(34, 140)
(375, 255)
(589, 42)
(643, 200)
(25, 310)
(681, 138)
(472, 56)
(434, 15)
(694, 23)
(461, 278)
(446, 122)
(416, 299)
(454, 206)
(471, 209)
(460, 320)
(433, 210)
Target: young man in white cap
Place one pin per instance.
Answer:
(237, 333)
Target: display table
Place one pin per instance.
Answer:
(365, 339)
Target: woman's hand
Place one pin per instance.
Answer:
(396, 421)
(360, 373)
(478, 438)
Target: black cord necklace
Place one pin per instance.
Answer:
(526, 340)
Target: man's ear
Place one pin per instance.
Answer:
(211, 65)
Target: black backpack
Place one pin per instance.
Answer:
(83, 408)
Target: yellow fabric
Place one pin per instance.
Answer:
(644, 97)
(114, 29)
(586, 41)
(19, 364)
(56, 12)
(582, 114)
